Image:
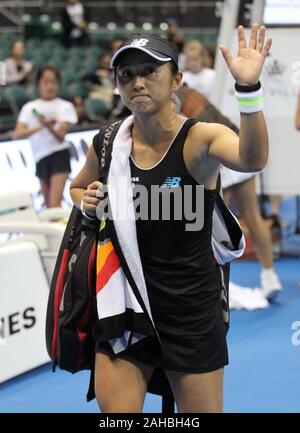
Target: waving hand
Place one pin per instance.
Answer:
(247, 66)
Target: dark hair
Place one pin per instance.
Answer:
(174, 68)
(44, 69)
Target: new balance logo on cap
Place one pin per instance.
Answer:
(139, 42)
(155, 46)
(172, 182)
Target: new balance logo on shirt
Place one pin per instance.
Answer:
(172, 182)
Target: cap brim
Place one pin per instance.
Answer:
(155, 54)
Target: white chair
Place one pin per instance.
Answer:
(29, 244)
(19, 222)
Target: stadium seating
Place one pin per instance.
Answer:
(17, 96)
(95, 109)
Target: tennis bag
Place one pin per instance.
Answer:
(72, 309)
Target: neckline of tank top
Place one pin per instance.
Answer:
(208, 191)
(165, 154)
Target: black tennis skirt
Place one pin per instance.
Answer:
(180, 352)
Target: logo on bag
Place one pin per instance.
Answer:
(139, 42)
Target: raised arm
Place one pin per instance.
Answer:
(249, 151)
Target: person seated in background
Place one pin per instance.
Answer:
(74, 22)
(175, 36)
(114, 45)
(78, 103)
(17, 69)
(102, 81)
(196, 75)
(45, 122)
(102, 72)
(208, 57)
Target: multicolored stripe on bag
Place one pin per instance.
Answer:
(107, 261)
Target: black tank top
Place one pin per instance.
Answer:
(179, 267)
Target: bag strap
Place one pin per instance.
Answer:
(102, 143)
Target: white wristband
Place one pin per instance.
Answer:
(251, 102)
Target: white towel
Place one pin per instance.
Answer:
(246, 298)
(115, 296)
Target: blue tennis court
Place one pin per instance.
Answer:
(263, 375)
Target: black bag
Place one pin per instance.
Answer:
(72, 309)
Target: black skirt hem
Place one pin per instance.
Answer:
(130, 357)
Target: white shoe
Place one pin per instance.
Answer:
(270, 284)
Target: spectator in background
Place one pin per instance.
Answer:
(240, 189)
(208, 57)
(115, 44)
(102, 72)
(74, 21)
(78, 103)
(18, 69)
(102, 81)
(175, 36)
(196, 75)
(45, 121)
(118, 110)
